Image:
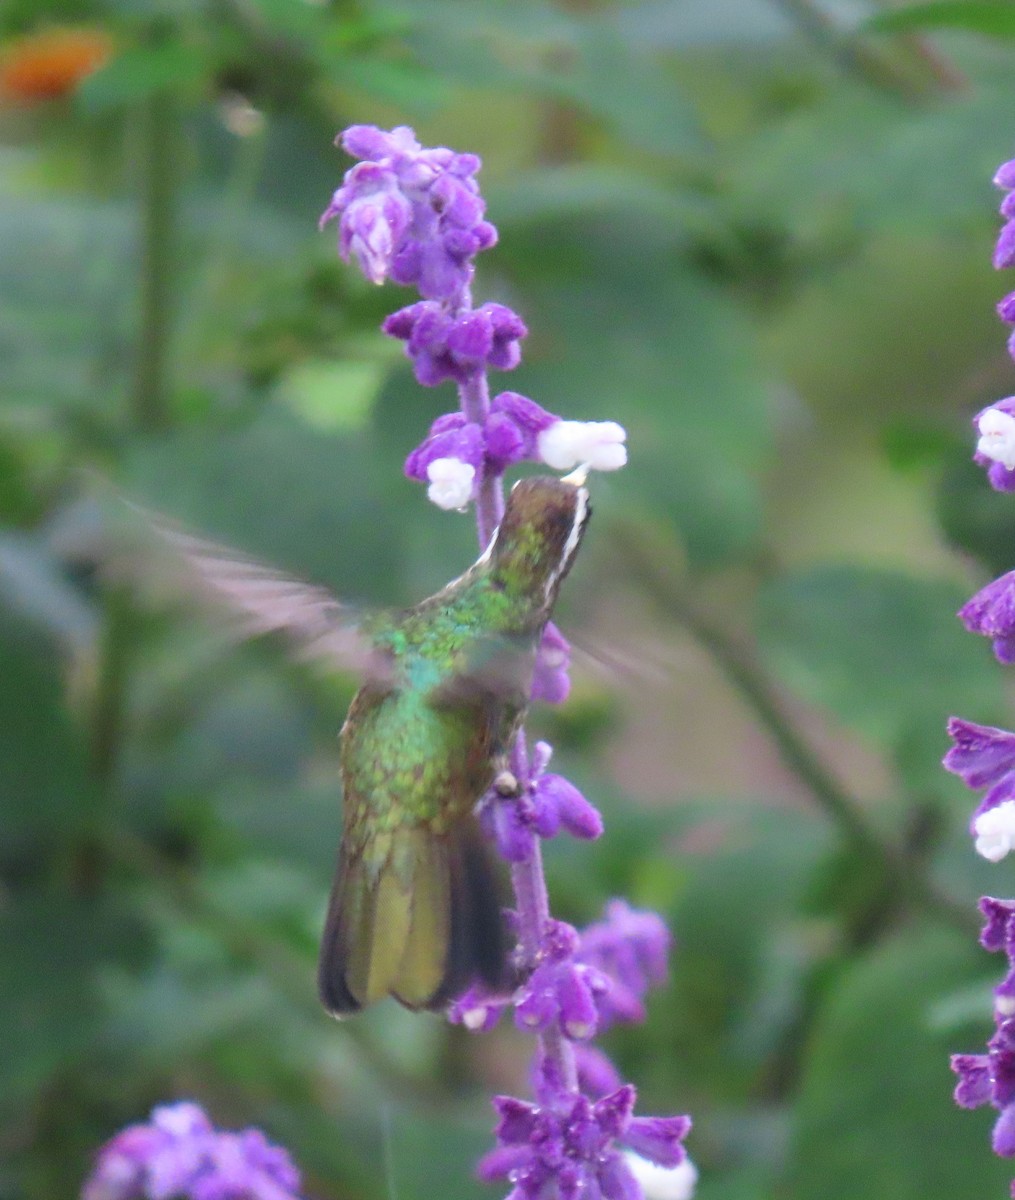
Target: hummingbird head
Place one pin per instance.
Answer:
(539, 535)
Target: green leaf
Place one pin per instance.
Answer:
(47, 795)
(875, 1115)
(531, 46)
(331, 395)
(142, 71)
(881, 650)
(997, 20)
(579, 190)
(317, 505)
(625, 331)
(52, 948)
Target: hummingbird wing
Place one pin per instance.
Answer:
(261, 600)
(152, 555)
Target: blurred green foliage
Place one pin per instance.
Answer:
(758, 238)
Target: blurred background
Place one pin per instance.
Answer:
(755, 232)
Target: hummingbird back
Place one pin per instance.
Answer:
(415, 909)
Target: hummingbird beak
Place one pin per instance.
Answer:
(578, 476)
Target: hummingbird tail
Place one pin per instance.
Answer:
(418, 918)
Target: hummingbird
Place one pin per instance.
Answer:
(414, 910)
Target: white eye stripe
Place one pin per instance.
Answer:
(581, 514)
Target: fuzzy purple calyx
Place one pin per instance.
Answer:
(982, 755)
(991, 612)
(542, 805)
(630, 951)
(999, 931)
(179, 1155)
(569, 1144)
(551, 677)
(506, 436)
(442, 345)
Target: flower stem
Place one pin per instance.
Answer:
(532, 902)
(739, 666)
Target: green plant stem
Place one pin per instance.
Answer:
(157, 123)
(904, 871)
(209, 290)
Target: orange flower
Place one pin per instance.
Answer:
(50, 64)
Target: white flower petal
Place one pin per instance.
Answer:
(450, 482)
(599, 444)
(995, 831)
(997, 437)
(663, 1183)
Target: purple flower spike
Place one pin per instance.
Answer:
(991, 612)
(180, 1156)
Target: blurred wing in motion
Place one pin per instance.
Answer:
(263, 600)
(150, 553)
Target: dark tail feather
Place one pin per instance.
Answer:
(478, 948)
(421, 925)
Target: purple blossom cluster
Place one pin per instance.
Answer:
(571, 1150)
(415, 216)
(179, 1155)
(990, 1078)
(984, 756)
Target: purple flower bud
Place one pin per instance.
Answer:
(1005, 176)
(616, 1179)
(554, 794)
(629, 950)
(551, 680)
(477, 1009)
(445, 347)
(999, 931)
(367, 141)
(658, 1138)
(982, 755)
(504, 821)
(974, 1087)
(991, 612)
(1003, 1137)
(1006, 308)
(1004, 251)
(463, 441)
(596, 1073)
(1001, 1053)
